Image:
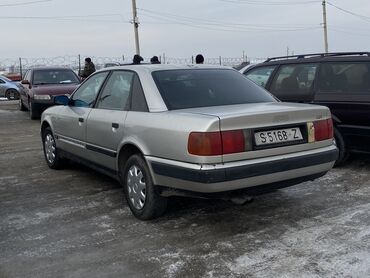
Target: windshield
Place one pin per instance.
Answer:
(54, 76)
(192, 88)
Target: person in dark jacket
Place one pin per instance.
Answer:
(154, 60)
(137, 59)
(88, 69)
(199, 59)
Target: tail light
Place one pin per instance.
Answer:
(205, 143)
(320, 130)
(216, 143)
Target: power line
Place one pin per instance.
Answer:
(270, 3)
(173, 18)
(365, 18)
(24, 3)
(225, 28)
(87, 18)
(341, 30)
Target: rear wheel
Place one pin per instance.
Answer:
(12, 94)
(145, 203)
(341, 145)
(51, 152)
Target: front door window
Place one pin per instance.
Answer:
(86, 94)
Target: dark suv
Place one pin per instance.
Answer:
(340, 81)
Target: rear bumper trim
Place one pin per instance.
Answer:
(245, 171)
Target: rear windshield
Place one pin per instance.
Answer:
(192, 88)
(54, 76)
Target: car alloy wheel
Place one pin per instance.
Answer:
(50, 149)
(136, 186)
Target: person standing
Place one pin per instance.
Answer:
(88, 69)
(154, 60)
(137, 59)
(199, 59)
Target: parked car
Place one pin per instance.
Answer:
(164, 130)
(41, 84)
(8, 88)
(111, 64)
(340, 81)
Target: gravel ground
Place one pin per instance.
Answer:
(74, 223)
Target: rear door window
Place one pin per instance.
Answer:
(261, 75)
(345, 78)
(294, 82)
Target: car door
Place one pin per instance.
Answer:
(345, 88)
(294, 82)
(105, 123)
(70, 122)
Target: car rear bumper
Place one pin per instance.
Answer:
(300, 166)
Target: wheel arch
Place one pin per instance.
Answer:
(45, 124)
(128, 149)
(336, 120)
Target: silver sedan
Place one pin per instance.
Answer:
(186, 130)
(8, 88)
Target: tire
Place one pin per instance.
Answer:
(144, 202)
(21, 105)
(12, 94)
(34, 114)
(51, 152)
(341, 145)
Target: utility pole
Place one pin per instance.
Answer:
(135, 21)
(287, 51)
(325, 26)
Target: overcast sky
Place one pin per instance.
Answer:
(261, 28)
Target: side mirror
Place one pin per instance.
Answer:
(61, 100)
(25, 82)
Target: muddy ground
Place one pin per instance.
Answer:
(74, 223)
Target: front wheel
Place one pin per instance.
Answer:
(145, 203)
(51, 152)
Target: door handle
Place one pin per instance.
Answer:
(81, 120)
(115, 125)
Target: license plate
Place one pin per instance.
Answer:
(278, 136)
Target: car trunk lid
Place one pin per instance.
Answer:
(268, 128)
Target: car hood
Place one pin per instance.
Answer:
(54, 89)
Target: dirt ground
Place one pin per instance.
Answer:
(74, 223)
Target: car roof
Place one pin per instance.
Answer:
(50, 68)
(317, 57)
(156, 67)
